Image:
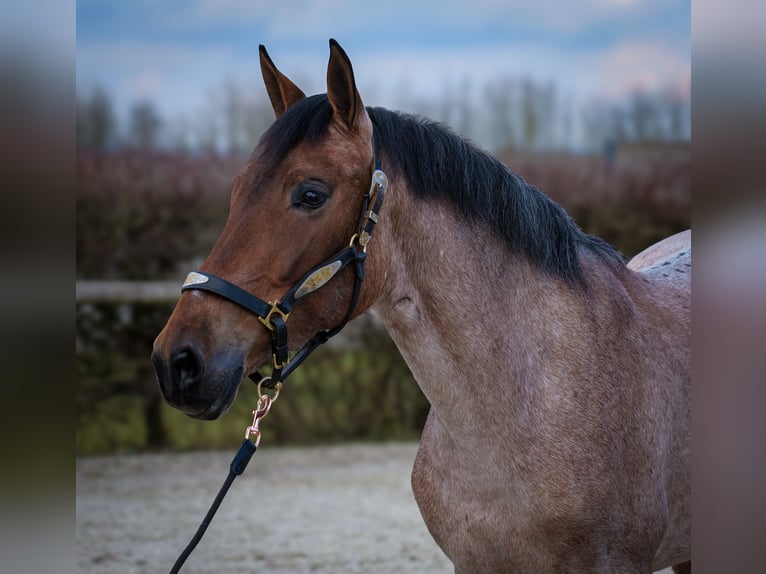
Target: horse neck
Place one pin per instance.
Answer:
(481, 328)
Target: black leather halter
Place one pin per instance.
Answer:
(274, 315)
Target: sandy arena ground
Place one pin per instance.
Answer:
(325, 509)
(332, 509)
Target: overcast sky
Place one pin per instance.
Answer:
(178, 52)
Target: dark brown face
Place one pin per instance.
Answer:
(286, 217)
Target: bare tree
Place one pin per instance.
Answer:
(564, 137)
(259, 115)
(96, 124)
(233, 114)
(678, 114)
(246, 115)
(643, 117)
(145, 125)
(502, 109)
(465, 123)
(538, 113)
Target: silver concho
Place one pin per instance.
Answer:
(317, 279)
(195, 278)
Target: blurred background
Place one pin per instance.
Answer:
(588, 100)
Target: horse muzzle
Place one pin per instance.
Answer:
(203, 388)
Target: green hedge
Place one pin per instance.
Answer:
(365, 393)
(151, 216)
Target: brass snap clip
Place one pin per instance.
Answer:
(262, 408)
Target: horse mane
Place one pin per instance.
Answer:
(440, 165)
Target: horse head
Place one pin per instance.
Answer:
(295, 204)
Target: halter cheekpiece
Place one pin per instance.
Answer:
(274, 315)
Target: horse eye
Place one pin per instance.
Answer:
(309, 195)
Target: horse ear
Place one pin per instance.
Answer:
(341, 87)
(282, 92)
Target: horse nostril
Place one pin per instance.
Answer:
(186, 368)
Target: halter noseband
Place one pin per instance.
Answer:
(274, 315)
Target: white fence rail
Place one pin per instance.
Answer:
(98, 291)
(127, 291)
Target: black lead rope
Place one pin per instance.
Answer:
(236, 468)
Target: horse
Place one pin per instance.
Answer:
(558, 375)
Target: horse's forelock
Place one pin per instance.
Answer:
(307, 120)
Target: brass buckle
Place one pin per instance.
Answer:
(274, 310)
(279, 366)
(362, 239)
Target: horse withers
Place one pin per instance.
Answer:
(558, 438)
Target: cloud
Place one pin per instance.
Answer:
(604, 74)
(148, 84)
(180, 51)
(298, 23)
(644, 66)
(179, 78)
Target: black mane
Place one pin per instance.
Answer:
(441, 166)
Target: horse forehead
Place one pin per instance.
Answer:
(338, 153)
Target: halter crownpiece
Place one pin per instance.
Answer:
(274, 315)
